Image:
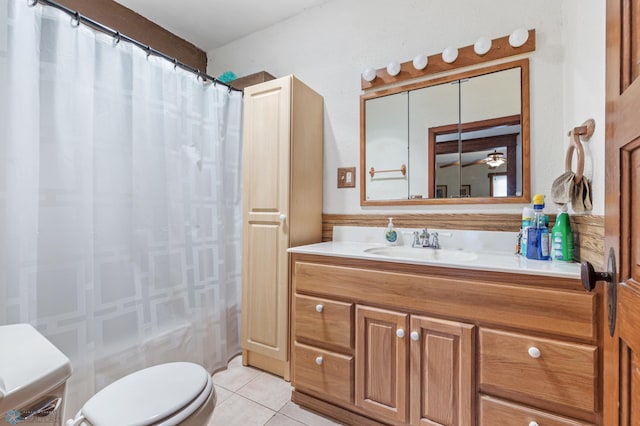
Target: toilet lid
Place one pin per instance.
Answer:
(147, 396)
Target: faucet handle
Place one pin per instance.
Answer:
(434, 242)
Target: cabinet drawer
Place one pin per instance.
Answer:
(547, 369)
(497, 412)
(324, 320)
(322, 371)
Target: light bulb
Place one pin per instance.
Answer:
(518, 37)
(393, 68)
(420, 61)
(450, 54)
(369, 74)
(482, 45)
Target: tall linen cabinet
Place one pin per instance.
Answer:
(282, 208)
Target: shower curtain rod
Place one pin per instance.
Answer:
(118, 36)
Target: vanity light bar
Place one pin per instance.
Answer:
(467, 56)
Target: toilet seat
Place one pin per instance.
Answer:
(162, 395)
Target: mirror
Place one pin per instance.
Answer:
(458, 139)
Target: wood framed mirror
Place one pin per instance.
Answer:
(465, 135)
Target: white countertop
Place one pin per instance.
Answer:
(486, 260)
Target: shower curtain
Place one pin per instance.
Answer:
(120, 216)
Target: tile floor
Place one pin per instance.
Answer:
(251, 397)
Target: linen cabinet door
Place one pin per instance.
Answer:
(381, 363)
(265, 267)
(442, 372)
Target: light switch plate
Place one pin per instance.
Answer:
(346, 177)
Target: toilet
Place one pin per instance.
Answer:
(33, 375)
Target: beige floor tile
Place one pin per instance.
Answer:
(222, 395)
(239, 411)
(268, 390)
(282, 420)
(305, 416)
(235, 377)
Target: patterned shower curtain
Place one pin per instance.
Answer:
(120, 215)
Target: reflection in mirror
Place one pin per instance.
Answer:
(386, 123)
(463, 138)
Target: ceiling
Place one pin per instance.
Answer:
(213, 23)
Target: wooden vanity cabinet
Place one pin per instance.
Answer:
(389, 343)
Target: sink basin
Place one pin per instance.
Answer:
(426, 254)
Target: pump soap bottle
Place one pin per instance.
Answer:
(390, 234)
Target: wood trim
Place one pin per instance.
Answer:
(588, 230)
(139, 28)
(500, 49)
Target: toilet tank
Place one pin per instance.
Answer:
(33, 372)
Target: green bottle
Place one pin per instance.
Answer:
(562, 238)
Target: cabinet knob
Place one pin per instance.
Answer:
(319, 360)
(533, 423)
(282, 217)
(400, 333)
(319, 307)
(534, 352)
(415, 336)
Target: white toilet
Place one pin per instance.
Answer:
(33, 374)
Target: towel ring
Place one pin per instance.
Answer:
(584, 133)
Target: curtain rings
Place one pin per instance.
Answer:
(75, 19)
(175, 64)
(148, 49)
(116, 38)
(32, 3)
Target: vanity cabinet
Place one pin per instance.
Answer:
(431, 358)
(391, 343)
(282, 162)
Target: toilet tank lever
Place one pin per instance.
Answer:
(42, 408)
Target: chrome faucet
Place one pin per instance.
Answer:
(425, 239)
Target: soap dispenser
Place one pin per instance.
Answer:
(390, 234)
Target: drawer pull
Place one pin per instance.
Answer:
(415, 336)
(319, 360)
(319, 307)
(400, 333)
(533, 423)
(534, 353)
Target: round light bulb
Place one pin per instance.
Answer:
(393, 68)
(450, 54)
(420, 62)
(482, 45)
(518, 37)
(369, 74)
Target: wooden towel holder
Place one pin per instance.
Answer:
(402, 169)
(584, 133)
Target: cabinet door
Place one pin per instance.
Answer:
(265, 267)
(381, 362)
(442, 366)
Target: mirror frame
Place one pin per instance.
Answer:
(525, 123)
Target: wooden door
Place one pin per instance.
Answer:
(381, 362)
(442, 372)
(622, 208)
(265, 267)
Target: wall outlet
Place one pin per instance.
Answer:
(346, 177)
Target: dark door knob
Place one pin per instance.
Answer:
(589, 276)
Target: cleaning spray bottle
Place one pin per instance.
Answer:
(527, 221)
(538, 233)
(562, 237)
(390, 233)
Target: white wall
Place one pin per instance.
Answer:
(328, 47)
